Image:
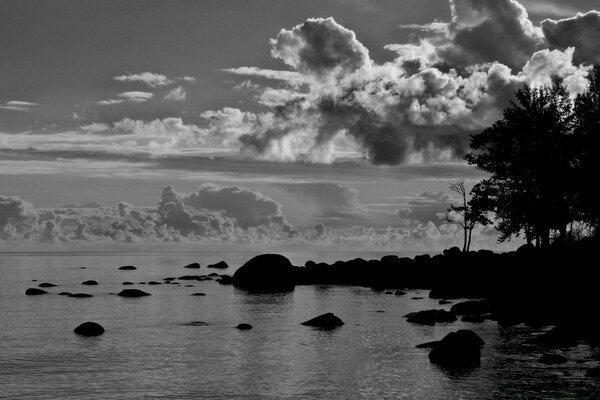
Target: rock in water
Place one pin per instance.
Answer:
(326, 321)
(89, 283)
(266, 272)
(458, 349)
(89, 329)
(192, 266)
(80, 295)
(127, 268)
(46, 284)
(244, 327)
(430, 317)
(219, 265)
(132, 293)
(34, 292)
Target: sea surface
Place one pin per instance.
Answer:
(151, 351)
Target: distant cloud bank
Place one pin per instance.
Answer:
(233, 214)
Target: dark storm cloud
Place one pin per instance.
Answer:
(581, 32)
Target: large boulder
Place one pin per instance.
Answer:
(244, 327)
(430, 317)
(192, 266)
(266, 272)
(132, 293)
(325, 321)
(89, 329)
(471, 307)
(458, 349)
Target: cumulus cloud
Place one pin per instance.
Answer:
(217, 214)
(326, 197)
(491, 31)
(149, 78)
(582, 32)
(177, 94)
(13, 210)
(420, 107)
(320, 47)
(248, 207)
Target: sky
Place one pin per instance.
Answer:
(332, 123)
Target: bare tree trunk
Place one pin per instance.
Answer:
(469, 243)
(465, 239)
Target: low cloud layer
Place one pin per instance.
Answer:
(233, 214)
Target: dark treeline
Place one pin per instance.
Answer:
(542, 157)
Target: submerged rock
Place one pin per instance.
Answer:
(430, 317)
(219, 265)
(193, 266)
(325, 321)
(132, 293)
(89, 283)
(399, 293)
(196, 323)
(34, 292)
(199, 294)
(268, 272)
(89, 329)
(458, 349)
(552, 359)
(244, 327)
(127, 268)
(80, 295)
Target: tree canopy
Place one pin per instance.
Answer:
(542, 160)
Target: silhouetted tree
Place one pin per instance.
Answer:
(587, 142)
(529, 155)
(466, 215)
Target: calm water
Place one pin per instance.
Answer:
(148, 351)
